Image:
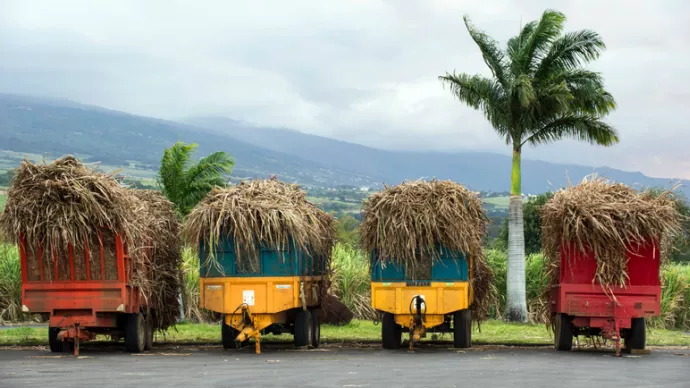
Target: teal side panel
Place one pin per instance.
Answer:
(450, 266)
(278, 263)
(391, 272)
(224, 261)
(289, 262)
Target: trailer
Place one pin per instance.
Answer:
(580, 306)
(281, 293)
(89, 292)
(434, 299)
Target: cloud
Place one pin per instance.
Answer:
(363, 71)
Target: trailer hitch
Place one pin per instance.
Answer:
(417, 310)
(76, 334)
(249, 329)
(612, 331)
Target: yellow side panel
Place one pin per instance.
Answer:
(439, 297)
(263, 295)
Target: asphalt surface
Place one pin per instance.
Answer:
(343, 366)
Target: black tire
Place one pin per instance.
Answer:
(462, 329)
(391, 332)
(135, 333)
(315, 329)
(636, 337)
(303, 329)
(563, 333)
(56, 344)
(148, 344)
(228, 335)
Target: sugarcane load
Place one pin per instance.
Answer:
(265, 252)
(605, 243)
(428, 272)
(97, 257)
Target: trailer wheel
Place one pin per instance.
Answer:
(135, 333)
(228, 335)
(316, 328)
(148, 345)
(563, 332)
(636, 337)
(462, 329)
(303, 329)
(56, 345)
(391, 332)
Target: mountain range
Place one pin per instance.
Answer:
(39, 125)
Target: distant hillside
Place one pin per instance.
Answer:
(481, 170)
(36, 126)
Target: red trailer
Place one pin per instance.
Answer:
(86, 293)
(581, 306)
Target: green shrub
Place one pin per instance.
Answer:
(497, 259)
(10, 284)
(350, 280)
(190, 292)
(537, 287)
(675, 298)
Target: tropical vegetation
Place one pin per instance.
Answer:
(539, 92)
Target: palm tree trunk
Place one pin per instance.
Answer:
(517, 301)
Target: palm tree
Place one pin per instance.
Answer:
(539, 93)
(184, 182)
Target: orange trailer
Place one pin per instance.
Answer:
(86, 294)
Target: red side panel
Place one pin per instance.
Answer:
(643, 265)
(91, 283)
(580, 296)
(580, 268)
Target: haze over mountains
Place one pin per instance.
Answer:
(38, 125)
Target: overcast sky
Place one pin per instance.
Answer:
(363, 71)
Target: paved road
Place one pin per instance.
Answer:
(335, 366)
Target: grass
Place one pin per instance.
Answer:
(3, 201)
(492, 333)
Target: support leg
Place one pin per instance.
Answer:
(257, 343)
(76, 341)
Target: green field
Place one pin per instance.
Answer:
(3, 199)
(491, 333)
(503, 201)
(499, 202)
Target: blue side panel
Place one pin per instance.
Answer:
(450, 269)
(290, 262)
(390, 272)
(277, 263)
(450, 266)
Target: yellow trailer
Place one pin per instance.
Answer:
(280, 293)
(435, 299)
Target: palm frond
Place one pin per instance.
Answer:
(523, 91)
(516, 43)
(551, 100)
(571, 51)
(542, 36)
(172, 171)
(482, 94)
(582, 127)
(493, 55)
(214, 165)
